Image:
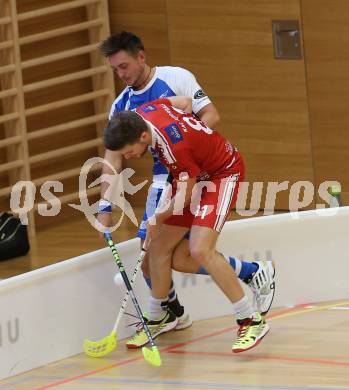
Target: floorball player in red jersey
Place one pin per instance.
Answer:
(207, 171)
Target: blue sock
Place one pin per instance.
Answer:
(202, 271)
(247, 268)
(148, 281)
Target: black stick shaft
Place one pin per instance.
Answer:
(110, 242)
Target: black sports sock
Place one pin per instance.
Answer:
(176, 308)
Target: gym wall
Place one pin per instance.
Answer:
(288, 117)
(56, 92)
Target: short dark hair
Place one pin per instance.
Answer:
(124, 128)
(121, 41)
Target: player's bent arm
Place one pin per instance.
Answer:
(184, 103)
(114, 158)
(182, 197)
(209, 115)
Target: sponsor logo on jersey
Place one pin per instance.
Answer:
(174, 133)
(168, 111)
(199, 94)
(149, 108)
(183, 127)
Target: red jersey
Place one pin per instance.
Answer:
(185, 145)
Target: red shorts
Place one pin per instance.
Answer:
(211, 201)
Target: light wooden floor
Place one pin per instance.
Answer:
(307, 348)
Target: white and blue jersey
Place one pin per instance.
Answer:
(167, 81)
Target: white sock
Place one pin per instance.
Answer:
(155, 309)
(238, 266)
(243, 309)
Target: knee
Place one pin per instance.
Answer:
(200, 252)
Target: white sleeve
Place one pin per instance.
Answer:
(112, 108)
(116, 104)
(184, 83)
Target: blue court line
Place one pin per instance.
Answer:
(29, 379)
(16, 382)
(200, 385)
(203, 385)
(193, 384)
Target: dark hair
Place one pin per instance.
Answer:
(122, 41)
(124, 128)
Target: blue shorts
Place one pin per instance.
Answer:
(153, 199)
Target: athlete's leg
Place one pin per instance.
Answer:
(161, 318)
(161, 251)
(258, 275)
(202, 248)
(154, 196)
(243, 269)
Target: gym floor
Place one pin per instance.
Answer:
(300, 352)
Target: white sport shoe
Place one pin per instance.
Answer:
(184, 321)
(263, 285)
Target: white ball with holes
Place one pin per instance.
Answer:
(118, 280)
